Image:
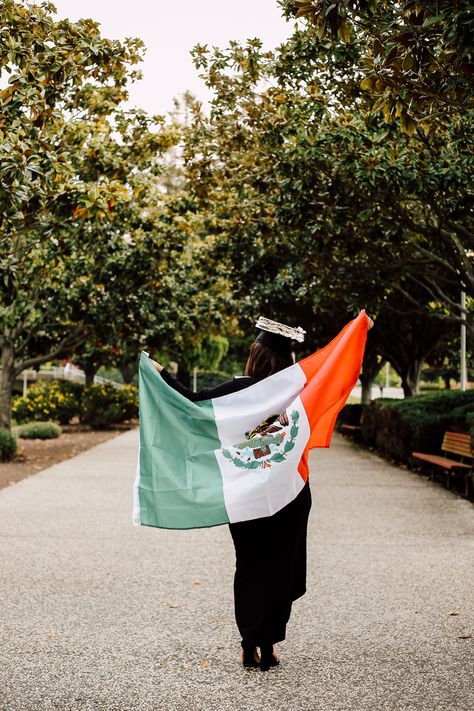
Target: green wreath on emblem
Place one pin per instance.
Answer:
(256, 443)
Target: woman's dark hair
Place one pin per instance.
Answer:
(263, 361)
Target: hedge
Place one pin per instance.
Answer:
(38, 430)
(7, 445)
(350, 415)
(399, 427)
(104, 405)
(210, 379)
(99, 406)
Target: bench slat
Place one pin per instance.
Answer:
(440, 461)
(457, 435)
(457, 443)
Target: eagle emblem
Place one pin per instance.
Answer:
(268, 443)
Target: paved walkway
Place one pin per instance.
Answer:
(97, 615)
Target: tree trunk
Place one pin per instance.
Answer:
(370, 367)
(411, 378)
(366, 394)
(447, 382)
(127, 371)
(90, 373)
(406, 339)
(6, 385)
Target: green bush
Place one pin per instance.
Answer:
(104, 405)
(399, 427)
(470, 423)
(38, 430)
(350, 415)
(7, 445)
(49, 400)
(211, 378)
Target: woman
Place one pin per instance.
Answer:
(270, 552)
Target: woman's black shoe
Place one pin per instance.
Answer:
(267, 658)
(249, 650)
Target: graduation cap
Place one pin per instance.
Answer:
(278, 336)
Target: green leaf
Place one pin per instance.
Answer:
(408, 62)
(432, 20)
(344, 31)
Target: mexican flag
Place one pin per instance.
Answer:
(244, 455)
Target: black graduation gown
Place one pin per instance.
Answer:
(270, 552)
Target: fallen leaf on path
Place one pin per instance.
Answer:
(203, 663)
(173, 604)
(453, 613)
(52, 635)
(198, 582)
(465, 636)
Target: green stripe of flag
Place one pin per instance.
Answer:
(178, 468)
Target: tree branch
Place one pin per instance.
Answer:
(73, 340)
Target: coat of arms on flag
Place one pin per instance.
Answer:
(268, 443)
(243, 455)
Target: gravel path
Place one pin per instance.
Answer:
(97, 615)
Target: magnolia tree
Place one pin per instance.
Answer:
(320, 206)
(97, 259)
(415, 57)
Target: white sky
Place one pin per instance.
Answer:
(171, 29)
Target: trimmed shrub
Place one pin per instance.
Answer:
(470, 424)
(104, 405)
(7, 445)
(45, 400)
(350, 415)
(210, 379)
(399, 427)
(38, 430)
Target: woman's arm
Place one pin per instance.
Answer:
(223, 389)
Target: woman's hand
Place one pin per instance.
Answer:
(371, 323)
(157, 365)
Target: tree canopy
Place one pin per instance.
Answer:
(96, 258)
(416, 57)
(320, 205)
(331, 174)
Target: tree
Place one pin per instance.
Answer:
(55, 69)
(444, 362)
(319, 206)
(61, 210)
(405, 338)
(416, 57)
(129, 246)
(302, 177)
(371, 366)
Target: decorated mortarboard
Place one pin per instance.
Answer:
(278, 336)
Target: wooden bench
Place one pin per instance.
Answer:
(453, 443)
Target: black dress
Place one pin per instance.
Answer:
(270, 552)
